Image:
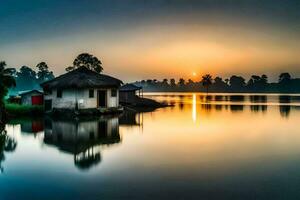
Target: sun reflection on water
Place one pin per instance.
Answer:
(194, 110)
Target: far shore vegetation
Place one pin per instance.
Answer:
(235, 84)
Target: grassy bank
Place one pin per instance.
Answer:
(23, 110)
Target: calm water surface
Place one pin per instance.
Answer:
(221, 146)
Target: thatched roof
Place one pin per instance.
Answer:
(82, 78)
(129, 87)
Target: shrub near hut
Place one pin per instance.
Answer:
(23, 110)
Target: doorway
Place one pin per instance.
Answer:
(48, 105)
(101, 94)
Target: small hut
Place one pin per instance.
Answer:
(81, 89)
(129, 93)
(32, 97)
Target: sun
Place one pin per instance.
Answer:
(194, 74)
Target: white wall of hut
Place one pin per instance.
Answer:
(71, 96)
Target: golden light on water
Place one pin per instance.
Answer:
(194, 110)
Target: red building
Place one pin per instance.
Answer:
(32, 97)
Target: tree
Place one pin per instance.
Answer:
(43, 73)
(172, 82)
(219, 84)
(227, 81)
(86, 60)
(284, 77)
(26, 78)
(285, 82)
(237, 82)
(190, 82)
(181, 82)
(165, 83)
(207, 81)
(6, 81)
(264, 79)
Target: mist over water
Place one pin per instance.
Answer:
(215, 146)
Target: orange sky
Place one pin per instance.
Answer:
(173, 42)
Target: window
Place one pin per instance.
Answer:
(59, 93)
(91, 93)
(48, 91)
(113, 92)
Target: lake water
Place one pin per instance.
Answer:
(221, 146)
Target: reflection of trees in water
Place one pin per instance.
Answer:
(205, 98)
(236, 108)
(284, 109)
(258, 108)
(258, 98)
(219, 98)
(206, 107)
(218, 107)
(284, 99)
(209, 97)
(82, 138)
(7, 144)
(181, 102)
(237, 98)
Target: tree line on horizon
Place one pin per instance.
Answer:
(235, 83)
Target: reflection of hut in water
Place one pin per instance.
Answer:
(131, 119)
(32, 125)
(82, 138)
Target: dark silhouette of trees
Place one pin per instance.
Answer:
(6, 81)
(284, 78)
(43, 73)
(172, 82)
(26, 79)
(219, 84)
(257, 83)
(285, 82)
(86, 60)
(237, 83)
(264, 79)
(207, 81)
(181, 83)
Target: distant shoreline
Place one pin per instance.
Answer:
(225, 92)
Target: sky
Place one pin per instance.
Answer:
(147, 39)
